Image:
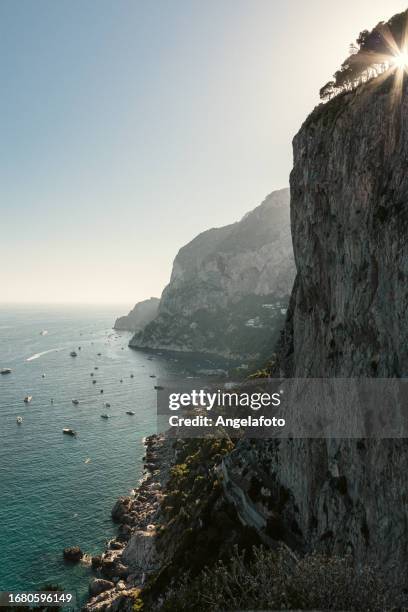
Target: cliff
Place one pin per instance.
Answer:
(229, 287)
(143, 313)
(347, 318)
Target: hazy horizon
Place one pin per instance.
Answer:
(130, 127)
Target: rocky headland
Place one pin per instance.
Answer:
(141, 315)
(229, 288)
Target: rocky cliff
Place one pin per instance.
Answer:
(143, 313)
(229, 287)
(347, 318)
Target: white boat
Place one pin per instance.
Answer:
(44, 332)
(105, 416)
(130, 412)
(5, 371)
(28, 399)
(19, 420)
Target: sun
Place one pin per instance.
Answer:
(400, 60)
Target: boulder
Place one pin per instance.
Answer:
(73, 554)
(96, 561)
(99, 585)
(121, 508)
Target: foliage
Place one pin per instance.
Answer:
(369, 57)
(277, 580)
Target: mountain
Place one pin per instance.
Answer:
(229, 287)
(139, 316)
(347, 318)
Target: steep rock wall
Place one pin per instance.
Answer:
(347, 318)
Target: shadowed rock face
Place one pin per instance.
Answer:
(347, 318)
(139, 316)
(221, 280)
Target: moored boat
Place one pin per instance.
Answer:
(68, 431)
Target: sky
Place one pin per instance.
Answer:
(127, 127)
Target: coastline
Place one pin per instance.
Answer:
(122, 569)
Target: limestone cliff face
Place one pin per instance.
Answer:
(228, 286)
(139, 316)
(347, 318)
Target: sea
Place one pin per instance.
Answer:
(56, 490)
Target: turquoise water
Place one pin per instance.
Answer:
(49, 497)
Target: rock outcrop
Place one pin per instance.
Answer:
(347, 318)
(229, 287)
(143, 313)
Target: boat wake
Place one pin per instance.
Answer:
(38, 355)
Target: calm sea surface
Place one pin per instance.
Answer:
(50, 497)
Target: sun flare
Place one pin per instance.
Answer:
(401, 60)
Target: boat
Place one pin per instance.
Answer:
(92, 374)
(121, 380)
(101, 390)
(94, 382)
(105, 416)
(158, 387)
(132, 376)
(73, 354)
(152, 375)
(6, 371)
(75, 402)
(28, 399)
(96, 368)
(130, 412)
(88, 460)
(44, 332)
(99, 354)
(42, 375)
(69, 432)
(107, 405)
(19, 420)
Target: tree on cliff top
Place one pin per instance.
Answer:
(384, 49)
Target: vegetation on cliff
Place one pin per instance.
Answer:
(381, 50)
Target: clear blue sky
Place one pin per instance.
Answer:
(129, 126)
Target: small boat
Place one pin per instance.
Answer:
(28, 399)
(158, 387)
(87, 460)
(68, 431)
(75, 402)
(101, 390)
(99, 354)
(96, 368)
(5, 371)
(152, 375)
(130, 412)
(73, 354)
(121, 380)
(92, 374)
(44, 332)
(107, 405)
(105, 416)
(79, 348)
(94, 382)
(132, 376)
(19, 420)
(52, 400)
(42, 375)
